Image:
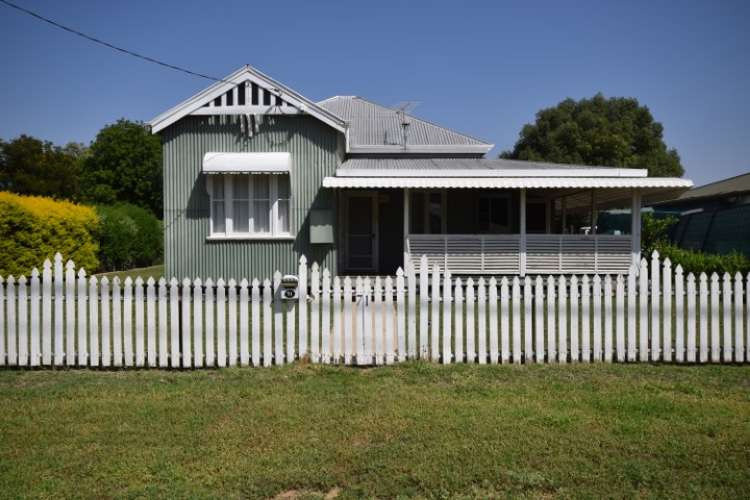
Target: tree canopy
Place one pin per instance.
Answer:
(34, 167)
(616, 132)
(124, 165)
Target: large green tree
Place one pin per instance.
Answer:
(615, 131)
(31, 166)
(125, 165)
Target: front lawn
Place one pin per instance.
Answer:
(415, 430)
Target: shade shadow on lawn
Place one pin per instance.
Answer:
(415, 430)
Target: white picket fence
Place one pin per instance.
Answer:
(62, 318)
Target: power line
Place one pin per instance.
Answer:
(109, 45)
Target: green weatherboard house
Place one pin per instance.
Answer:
(256, 175)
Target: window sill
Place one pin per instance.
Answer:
(250, 238)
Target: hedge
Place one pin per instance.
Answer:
(34, 228)
(698, 262)
(129, 236)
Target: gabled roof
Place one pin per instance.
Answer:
(736, 184)
(377, 129)
(246, 73)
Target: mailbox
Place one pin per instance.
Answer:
(289, 287)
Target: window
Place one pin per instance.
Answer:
(257, 205)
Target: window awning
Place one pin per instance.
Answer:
(246, 163)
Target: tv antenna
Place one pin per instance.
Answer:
(402, 110)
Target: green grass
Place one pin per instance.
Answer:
(144, 272)
(415, 430)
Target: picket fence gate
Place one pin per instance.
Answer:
(652, 314)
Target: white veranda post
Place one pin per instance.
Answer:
(407, 202)
(635, 230)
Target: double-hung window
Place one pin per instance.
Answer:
(250, 205)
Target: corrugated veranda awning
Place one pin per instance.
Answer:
(246, 163)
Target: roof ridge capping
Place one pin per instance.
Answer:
(245, 72)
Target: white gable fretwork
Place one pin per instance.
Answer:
(248, 98)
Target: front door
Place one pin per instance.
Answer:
(361, 231)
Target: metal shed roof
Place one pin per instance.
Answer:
(377, 129)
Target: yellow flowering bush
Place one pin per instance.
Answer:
(34, 228)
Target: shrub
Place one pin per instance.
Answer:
(130, 236)
(699, 262)
(34, 228)
(655, 232)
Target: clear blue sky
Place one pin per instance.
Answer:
(483, 68)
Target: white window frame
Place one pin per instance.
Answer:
(273, 212)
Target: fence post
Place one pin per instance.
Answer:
(185, 309)
(268, 354)
(198, 323)
(163, 322)
(703, 325)
(608, 332)
(516, 300)
(70, 313)
(643, 311)
(244, 324)
(139, 343)
(10, 316)
(504, 320)
(539, 319)
(434, 331)
(81, 319)
(106, 331)
(667, 310)
(471, 352)
(59, 350)
(315, 313)
(482, 321)
(739, 347)
(36, 332)
(343, 322)
(620, 317)
(377, 312)
(255, 318)
(116, 323)
(528, 325)
(655, 307)
(302, 307)
(632, 313)
(208, 316)
(3, 338)
(127, 321)
(551, 330)
(400, 316)
(447, 356)
(562, 320)
(597, 318)
(389, 319)
(411, 297)
(231, 323)
(726, 296)
(458, 307)
(174, 320)
(150, 321)
(325, 341)
(23, 325)
(93, 322)
(46, 348)
(691, 318)
(492, 319)
(278, 320)
(424, 287)
(347, 330)
(679, 315)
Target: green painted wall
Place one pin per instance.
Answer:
(315, 150)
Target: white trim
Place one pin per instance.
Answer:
(210, 93)
(494, 172)
(246, 110)
(239, 237)
(506, 183)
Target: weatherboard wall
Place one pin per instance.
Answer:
(316, 152)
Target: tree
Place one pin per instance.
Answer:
(616, 132)
(34, 167)
(125, 165)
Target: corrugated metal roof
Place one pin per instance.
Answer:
(507, 182)
(374, 128)
(474, 167)
(737, 184)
